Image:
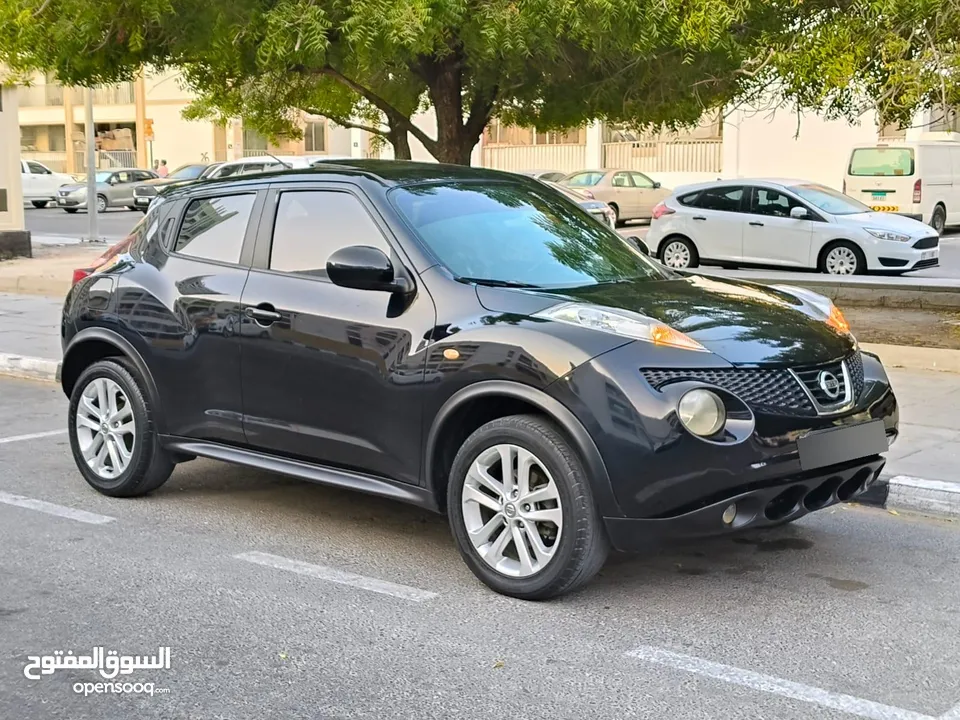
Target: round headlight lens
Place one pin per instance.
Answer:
(701, 412)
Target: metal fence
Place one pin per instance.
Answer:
(56, 161)
(106, 159)
(665, 156)
(254, 153)
(40, 96)
(562, 158)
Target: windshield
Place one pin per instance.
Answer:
(508, 234)
(881, 161)
(829, 200)
(584, 179)
(103, 176)
(186, 172)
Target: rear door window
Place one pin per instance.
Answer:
(725, 199)
(882, 162)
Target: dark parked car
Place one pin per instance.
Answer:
(474, 343)
(145, 192)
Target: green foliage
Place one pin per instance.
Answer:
(549, 63)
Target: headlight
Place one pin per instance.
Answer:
(701, 412)
(888, 235)
(832, 315)
(621, 322)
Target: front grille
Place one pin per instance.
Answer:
(927, 243)
(815, 378)
(932, 262)
(776, 391)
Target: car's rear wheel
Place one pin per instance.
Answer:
(39, 203)
(679, 253)
(843, 258)
(132, 207)
(112, 434)
(521, 510)
(939, 220)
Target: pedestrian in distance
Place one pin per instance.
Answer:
(156, 165)
(162, 171)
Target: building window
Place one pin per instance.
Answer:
(252, 140)
(314, 138)
(498, 133)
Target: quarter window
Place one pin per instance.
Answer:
(311, 225)
(213, 228)
(725, 199)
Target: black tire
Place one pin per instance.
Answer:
(105, 203)
(617, 222)
(686, 242)
(39, 204)
(70, 211)
(861, 267)
(583, 545)
(150, 466)
(939, 220)
(134, 208)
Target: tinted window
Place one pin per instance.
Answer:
(641, 180)
(715, 198)
(227, 170)
(584, 179)
(37, 168)
(507, 233)
(552, 176)
(213, 228)
(766, 201)
(187, 172)
(881, 161)
(312, 225)
(142, 175)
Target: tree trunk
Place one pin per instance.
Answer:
(445, 87)
(400, 140)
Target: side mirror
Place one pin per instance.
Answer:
(799, 213)
(656, 185)
(364, 268)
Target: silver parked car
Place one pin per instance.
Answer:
(631, 194)
(114, 189)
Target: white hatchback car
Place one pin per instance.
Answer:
(789, 223)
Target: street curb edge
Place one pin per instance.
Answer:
(31, 368)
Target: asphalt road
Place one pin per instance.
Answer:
(849, 613)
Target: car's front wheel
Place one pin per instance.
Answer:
(39, 203)
(679, 253)
(939, 220)
(843, 258)
(101, 203)
(112, 433)
(521, 510)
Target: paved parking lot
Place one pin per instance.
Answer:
(280, 599)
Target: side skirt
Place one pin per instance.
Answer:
(310, 472)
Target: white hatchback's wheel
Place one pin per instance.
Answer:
(679, 254)
(843, 259)
(106, 428)
(521, 509)
(511, 510)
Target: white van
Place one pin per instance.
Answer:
(919, 179)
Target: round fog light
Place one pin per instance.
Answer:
(701, 412)
(729, 514)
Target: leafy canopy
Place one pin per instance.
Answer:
(550, 63)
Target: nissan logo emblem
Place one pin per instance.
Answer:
(829, 384)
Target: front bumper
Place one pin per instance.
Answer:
(755, 507)
(70, 201)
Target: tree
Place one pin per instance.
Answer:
(549, 63)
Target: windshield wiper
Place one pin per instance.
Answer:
(491, 282)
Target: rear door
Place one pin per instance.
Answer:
(625, 195)
(770, 235)
(716, 221)
(883, 177)
(331, 374)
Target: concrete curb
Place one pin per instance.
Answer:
(32, 368)
(915, 358)
(902, 492)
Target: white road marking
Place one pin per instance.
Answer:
(778, 686)
(51, 509)
(337, 576)
(32, 436)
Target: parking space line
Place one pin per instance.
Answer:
(51, 509)
(340, 577)
(777, 686)
(31, 436)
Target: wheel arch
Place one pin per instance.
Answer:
(94, 344)
(675, 236)
(478, 403)
(822, 255)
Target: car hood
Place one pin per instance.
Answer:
(742, 322)
(888, 221)
(162, 181)
(73, 187)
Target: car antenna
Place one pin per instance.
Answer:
(286, 165)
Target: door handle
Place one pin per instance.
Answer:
(756, 224)
(699, 217)
(264, 313)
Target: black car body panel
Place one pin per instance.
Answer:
(374, 390)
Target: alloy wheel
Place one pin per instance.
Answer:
(511, 510)
(676, 255)
(106, 429)
(101, 204)
(841, 261)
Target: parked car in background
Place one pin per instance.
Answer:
(267, 163)
(114, 189)
(548, 175)
(631, 194)
(40, 183)
(469, 342)
(786, 223)
(597, 208)
(918, 179)
(144, 192)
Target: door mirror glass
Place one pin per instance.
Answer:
(363, 268)
(799, 213)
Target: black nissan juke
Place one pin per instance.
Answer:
(474, 343)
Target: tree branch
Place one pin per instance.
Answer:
(343, 122)
(481, 108)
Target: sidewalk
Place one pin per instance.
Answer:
(922, 473)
